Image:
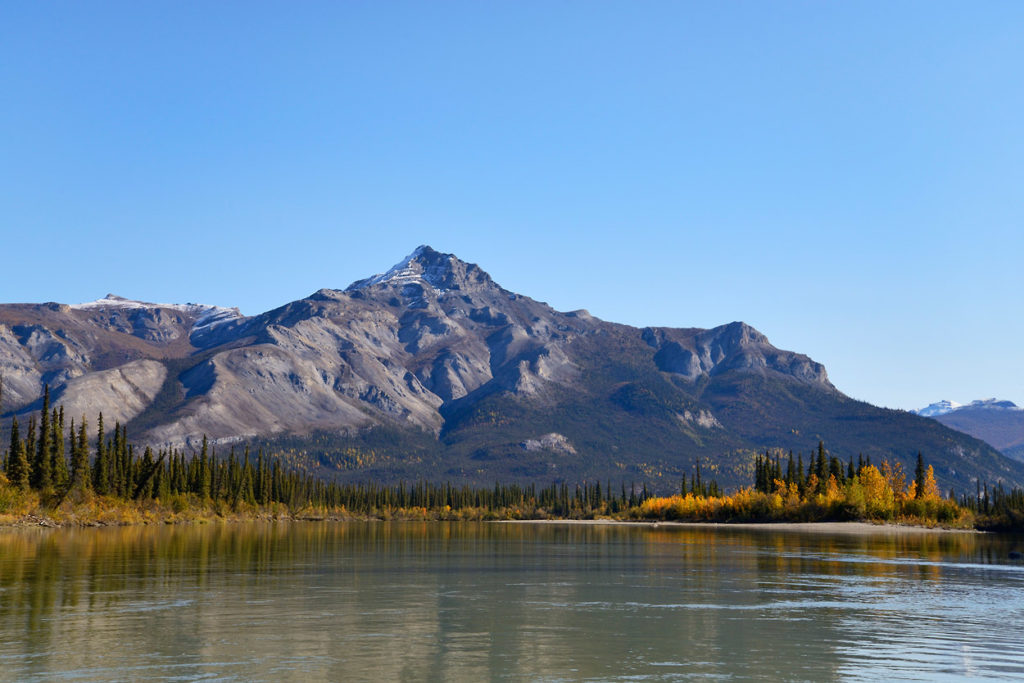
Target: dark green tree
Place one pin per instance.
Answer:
(42, 466)
(17, 461)
(821, 467)
(58, 459)
(79, 477)
(100, 469)
(205, 478)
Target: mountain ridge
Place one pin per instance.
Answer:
(431, 369)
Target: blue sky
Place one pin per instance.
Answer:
(846, 177)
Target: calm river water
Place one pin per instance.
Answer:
(463, 601)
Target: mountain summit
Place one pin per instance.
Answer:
(442, 272)
(432, 370)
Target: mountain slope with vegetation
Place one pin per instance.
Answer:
(432, 370)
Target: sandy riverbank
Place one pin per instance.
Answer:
(831, 528)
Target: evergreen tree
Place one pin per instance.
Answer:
(42, 470)
(247, 492)
(80, 457)
(835, 468)
(204, 478)
(100, 472)
(17, 461)
(58, 459)
(147, 472)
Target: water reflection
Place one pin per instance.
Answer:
(438, 601)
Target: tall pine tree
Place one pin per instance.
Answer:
(80, 457)
(100, 473)
(42, 465)
(17, 461)
(58, 461)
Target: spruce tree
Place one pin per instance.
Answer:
(30, 446)
(162, 484)
(147, 471)
(42, 471)
(835, 468)
(17, 462)
(99, 466)
(58, 462)
(247, 493)
(205, 477)
(79, 477)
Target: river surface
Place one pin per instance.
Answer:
(465, 601)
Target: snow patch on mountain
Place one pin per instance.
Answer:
(944, 407)
(938, 408)
(205, 315)
(993, 404)
(416, 267)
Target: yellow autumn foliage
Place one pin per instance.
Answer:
(869, 495)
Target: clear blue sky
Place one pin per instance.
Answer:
(846, 177)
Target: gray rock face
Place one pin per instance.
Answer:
(396, 348)
(737, 346)
(120, 393)
(553, 442)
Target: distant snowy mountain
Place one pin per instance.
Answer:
(944, 407)
(938, 408)
(993, 404)
(998, 422)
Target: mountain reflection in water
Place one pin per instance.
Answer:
(465, 601)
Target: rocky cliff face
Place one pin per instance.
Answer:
(464, 370)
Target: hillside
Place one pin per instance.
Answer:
(432, 370)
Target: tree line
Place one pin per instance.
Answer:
(56, 458)
(826, 471)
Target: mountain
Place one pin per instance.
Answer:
(999, 423)
(938, 408)
(433, 370)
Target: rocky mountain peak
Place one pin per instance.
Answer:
(938, 408)
(946, 407)
(442, 272)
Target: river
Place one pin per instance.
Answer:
(467, 601)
